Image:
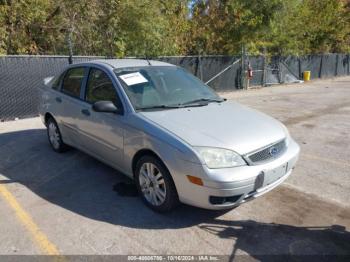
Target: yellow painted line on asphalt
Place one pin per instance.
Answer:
(39, 237)
(331, 161)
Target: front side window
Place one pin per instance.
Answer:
(100, 88)
(72, 81)
(163, 86)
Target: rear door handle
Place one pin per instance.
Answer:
(59, 100)
(85, 112)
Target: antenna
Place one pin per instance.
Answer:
(149, 63)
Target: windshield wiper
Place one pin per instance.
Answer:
(209, 100)
(182, 105)
(169, 106)
(158, 107)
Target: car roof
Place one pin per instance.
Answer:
(128, 62)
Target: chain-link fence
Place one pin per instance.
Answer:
(20, 76)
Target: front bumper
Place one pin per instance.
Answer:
(230, 187)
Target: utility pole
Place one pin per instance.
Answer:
(200, 66)
(243, 69)
(70, 45)
(69, 38)
(264, 69)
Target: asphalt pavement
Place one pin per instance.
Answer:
(66, 203)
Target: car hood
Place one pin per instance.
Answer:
(225, 125)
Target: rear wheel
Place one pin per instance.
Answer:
(54, 136)
(155, 185)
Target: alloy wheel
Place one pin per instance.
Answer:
(152, 184)
(54, 136)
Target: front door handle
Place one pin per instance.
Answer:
(58, 99)
(85, 112)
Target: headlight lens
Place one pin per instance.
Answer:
(219, 157)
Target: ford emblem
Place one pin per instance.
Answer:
(273, 151)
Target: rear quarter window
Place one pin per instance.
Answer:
(57, 82)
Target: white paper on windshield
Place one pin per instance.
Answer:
(133, 78)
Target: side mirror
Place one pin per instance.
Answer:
(106, 107)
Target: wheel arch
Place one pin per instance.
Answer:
(141, 153)
(149, 152)
(47, 116)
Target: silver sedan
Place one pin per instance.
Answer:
(172, 134)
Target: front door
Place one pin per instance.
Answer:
(101, 133)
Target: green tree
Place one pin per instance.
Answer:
(221, 27)
(310, 27)
(21, 22)
(325, 26)
(107, 27)
(178, 27)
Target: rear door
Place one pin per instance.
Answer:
(102, 133)
(71, 102)
(52, 100)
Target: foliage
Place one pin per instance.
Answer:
(311, 27)
(223, 26)
(177, 27)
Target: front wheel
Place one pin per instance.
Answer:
(155, 185)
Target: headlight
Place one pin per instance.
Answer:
(219, 157)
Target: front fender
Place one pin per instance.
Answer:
(142, 134)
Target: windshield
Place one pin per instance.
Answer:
(164, 87)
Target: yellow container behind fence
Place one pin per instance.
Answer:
(307, 75)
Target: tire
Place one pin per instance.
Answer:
(155, 184)
(55, 137)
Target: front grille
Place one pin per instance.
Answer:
(268, 153)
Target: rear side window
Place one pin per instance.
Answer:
(72, 81)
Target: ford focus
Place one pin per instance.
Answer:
(172, 134)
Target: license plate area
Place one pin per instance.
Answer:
(275, 174)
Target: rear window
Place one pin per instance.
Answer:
(72, 81)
